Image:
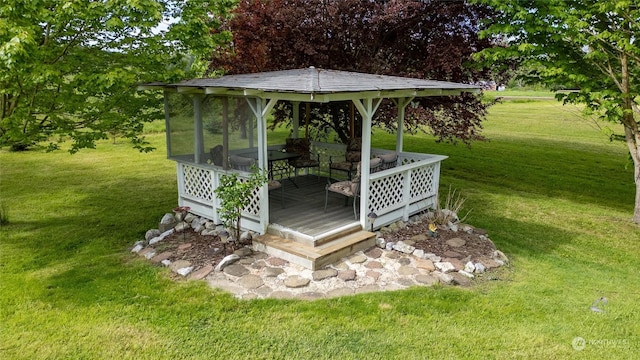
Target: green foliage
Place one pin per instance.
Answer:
(235, 193)
(70, 69)
(585, 45)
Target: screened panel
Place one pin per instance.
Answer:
(180, 127)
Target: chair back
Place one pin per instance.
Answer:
(241, 163)
(300, 146)
(388, 160)
(354, 148)
(216, 155)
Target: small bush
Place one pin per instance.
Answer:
(451, 210)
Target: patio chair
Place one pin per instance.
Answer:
(245, 164)
(302, 147)
(351, 188)
(351, 159)
(216, 155)
(389, 160)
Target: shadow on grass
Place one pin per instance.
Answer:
(548, 168)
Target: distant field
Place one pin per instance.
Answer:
(553, 193)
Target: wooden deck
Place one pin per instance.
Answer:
(304, 207)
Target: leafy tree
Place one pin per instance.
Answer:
(424, 39)
(235, 193)
(579, 44)
(69, 68)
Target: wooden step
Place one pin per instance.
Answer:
(313, 241)
(314, 257)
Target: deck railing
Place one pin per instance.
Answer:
(394, 194)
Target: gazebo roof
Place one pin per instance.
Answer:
(317, 85)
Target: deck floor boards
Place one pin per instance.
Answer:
(304, 207)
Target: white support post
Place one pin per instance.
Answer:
(402, 105)
(366, 107)
(198, 128)
(260, 109)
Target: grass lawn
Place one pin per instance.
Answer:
(553, 193)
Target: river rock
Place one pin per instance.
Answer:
(444, 266)
(228, 260)
(319, 275)
(150, 234)
(236, 270)
(167, 222)
(296, 281)
(403, 247)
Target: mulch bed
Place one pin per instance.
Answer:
(209, 250)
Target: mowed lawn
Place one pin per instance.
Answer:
(554, 194)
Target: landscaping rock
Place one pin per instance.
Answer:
(419, 253)
(167, 222)
(499, 255)
(467, 274)
(459, 279)
(404, 261)
(444, 267)
(373, 265)
(163, 256)
(250, 281)
(236, 270)
(357, 259)
(137, 248)
(296, 281)
(228, 260)
(201, 273)
(452, 254)
(469, 267)
(161, 236)
(407, 271)
(426, 279)
(347, 275)
(274, 261)
(433, 257)
(189, 217)
(389, 246)
(381, 243)
(479, 268)
(209, 232)
(319, 275)
(373, 274)
(442, 277)
(244, 251)
(456, 242)
(343, 291)
(425, 264)
(272, 272)
(185, 271)
(150, 234)
(179, 264)
(374, 253)
(182, 226)
(403, 247)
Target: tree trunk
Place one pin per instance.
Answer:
(631, 130)
(636, 211)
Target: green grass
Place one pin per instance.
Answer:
(553, 193)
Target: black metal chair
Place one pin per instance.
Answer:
(351, 188)
(352, 157)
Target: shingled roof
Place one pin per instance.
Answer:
(318, 85)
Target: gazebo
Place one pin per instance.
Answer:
(199, 120)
